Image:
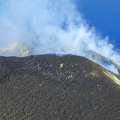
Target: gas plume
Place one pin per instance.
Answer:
(32, 27)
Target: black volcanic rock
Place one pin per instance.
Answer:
(50, 87)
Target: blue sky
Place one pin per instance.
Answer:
(104, 15)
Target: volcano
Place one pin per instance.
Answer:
(56, 87)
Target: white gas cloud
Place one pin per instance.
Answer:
(48, 26)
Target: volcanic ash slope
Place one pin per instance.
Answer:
(50, 87)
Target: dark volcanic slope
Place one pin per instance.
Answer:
(50, 87)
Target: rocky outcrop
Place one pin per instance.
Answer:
(50, 87)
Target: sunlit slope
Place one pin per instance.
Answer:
(50, 87)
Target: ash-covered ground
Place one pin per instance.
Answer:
(50, 87)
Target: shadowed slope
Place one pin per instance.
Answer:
(49, 87)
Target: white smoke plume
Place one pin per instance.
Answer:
(31, 27)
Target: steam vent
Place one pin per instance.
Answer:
(50, 87)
